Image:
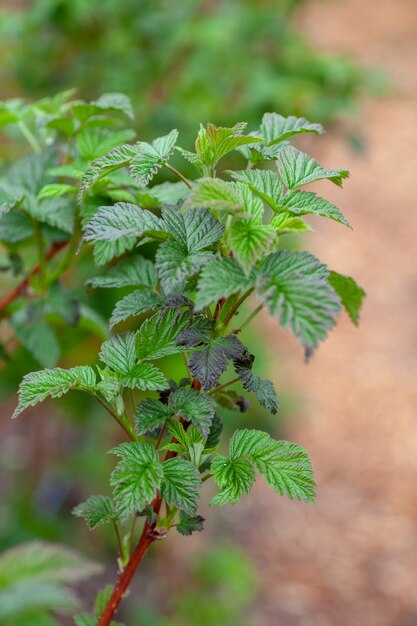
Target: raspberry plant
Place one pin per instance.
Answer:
(215, 258)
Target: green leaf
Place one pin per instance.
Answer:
(276, 128)
(350, 293)
(96, 511)
(37, 386)
(193, 407)
(134, 272)
(44, 562)
(209, 363)
(308, 203)
(214, 142)
(235, 478)
(285, 465)
(15, 227)
(189, 525)
(10, 198)
(294, 288)
(41, 341)
(145, 376)
(121, 224)
(119, 353)
(297, 169)
(250, 241)
(253, 207)
(181, 484)
(93, 143)
(286, 222)
(135, 303)
(117, 158)
(56, 212)
(195, 230)
(215, 194)
(221, 278)
(157, 336)
(169, 193)
(264, 183)
(150, 158)
(55, 190)
(135, 478)
(115, 102)
(175, 264)
(150, 414)
(29, 603)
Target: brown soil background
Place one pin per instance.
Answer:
(352, 560)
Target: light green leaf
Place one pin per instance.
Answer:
(157, 336)
(135, 478)
(122, 221)
(93, 143)
(101, 167)
(308, 203)
(215, 194)
(135, 303)
(285, 466)
(286, 222)
(196, 229)
(41, 341)
(150, 414)
(350, 293)
(297, 168)
(55, 190)
(134, 272)
(44, 562)
(294, 287)
(150, 158)
(56, 212)
(37, 386)
(115, 102)
(221, 278)
(175, 265)
(250, 241)
(214, 142)
(264, 183)
(15, 227)
(119, 353)
(181, 484)
(235, 478)
(96, 511)
(145, 376)
(276, 128)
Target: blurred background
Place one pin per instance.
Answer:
(351, 65)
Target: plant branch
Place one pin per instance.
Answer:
(119, 539)
(226, 384)
(126, 425)
(236, 306)
(179, 175)
(21, 288)
(29, 136)
(251, 316)
(147, 537)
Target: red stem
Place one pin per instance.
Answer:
(21, 288)
(148, 536)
